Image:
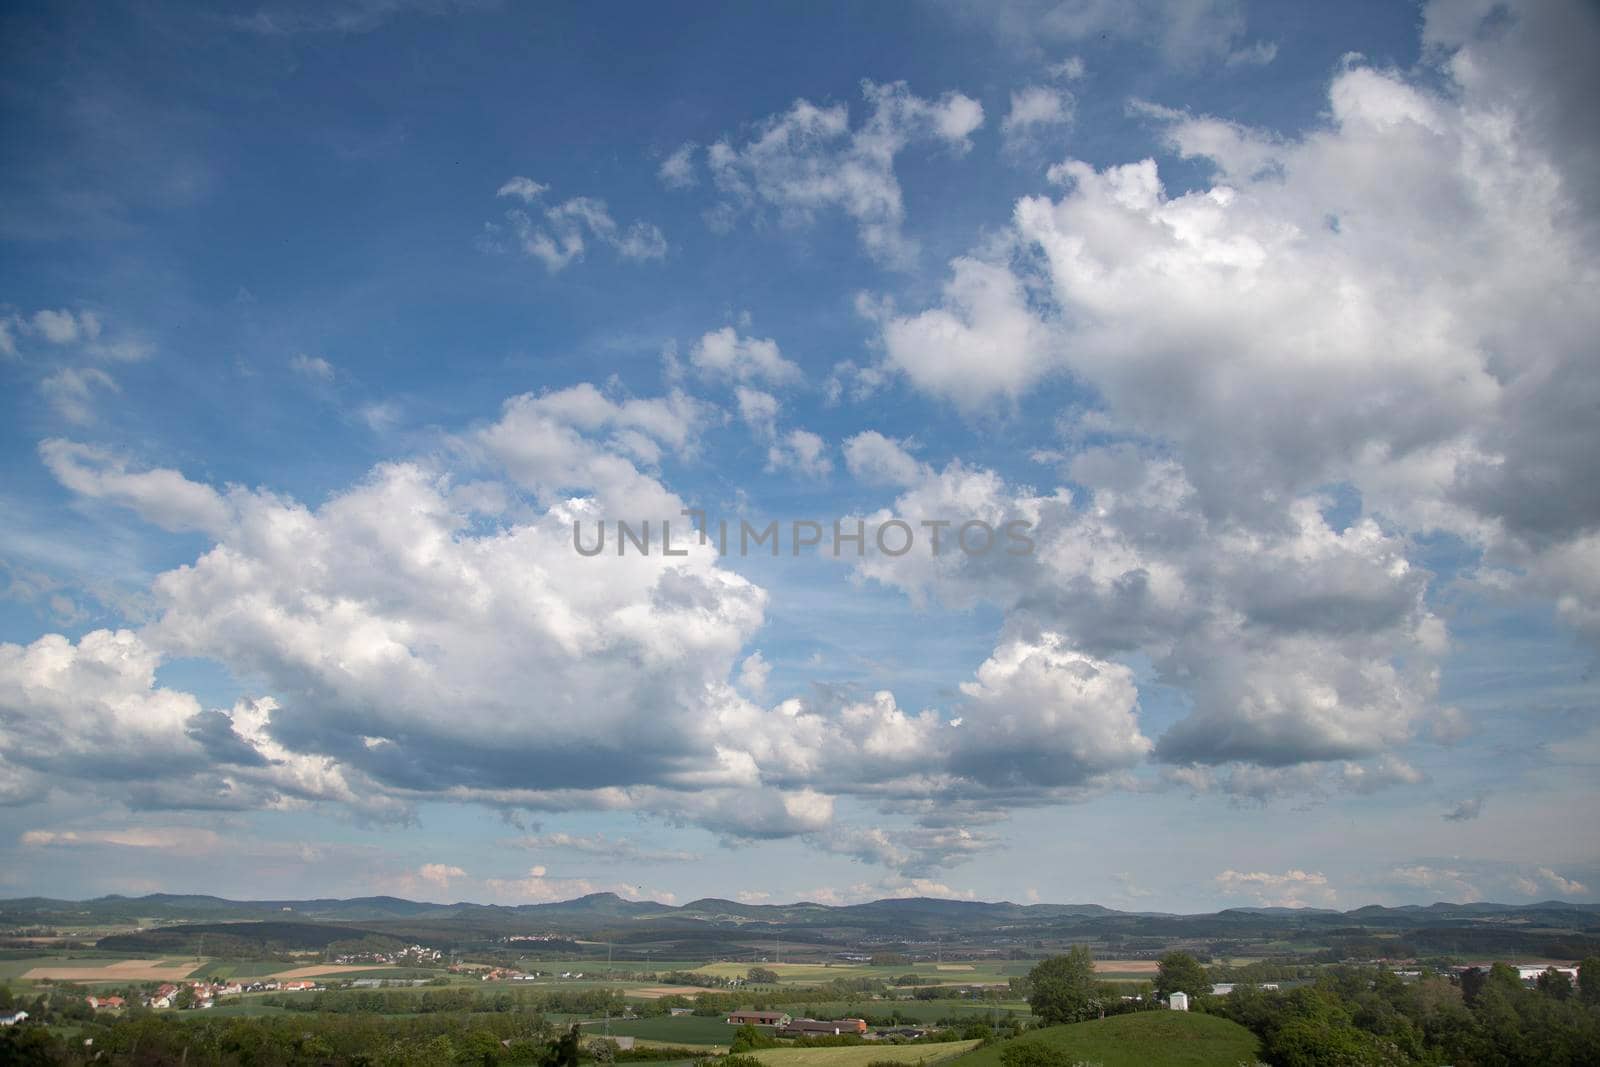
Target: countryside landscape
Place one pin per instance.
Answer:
(799, 533)
(605, 980)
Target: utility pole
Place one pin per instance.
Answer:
(608, 999)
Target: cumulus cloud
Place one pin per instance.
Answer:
(90, 714)
(801, 451)
(984, 342)
(163, 497)
(1292, 889)
(561, 234)
(440, 874)
(810, 159)
(1036, 112)
(723, 355)
(879, 460)
(1348, 271)
(1285, 638)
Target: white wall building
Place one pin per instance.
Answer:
(1178, 1002)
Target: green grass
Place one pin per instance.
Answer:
(921, 1011)
(861, 1055)
(683, 1030)
(1143, 1039)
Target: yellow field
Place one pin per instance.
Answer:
(861, 1055)
(117, 971)
(1125, 966)
(656, 992)
(954, 967)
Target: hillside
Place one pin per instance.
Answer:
(1144, 1039)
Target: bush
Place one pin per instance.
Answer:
(1032, 1054)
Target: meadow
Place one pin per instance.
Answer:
(686, 1030)
(861, 1055)
(1142, 1039)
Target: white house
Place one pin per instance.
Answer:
(1178, 1002)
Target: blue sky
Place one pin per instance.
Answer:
(320, 325)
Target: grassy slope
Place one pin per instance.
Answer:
(683, 1030)
(861, 1055)
(1143, 1039)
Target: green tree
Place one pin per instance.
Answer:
(1062, 989)
(1554, 983)
(1589, 980)
(1180, 972)
(762, 976)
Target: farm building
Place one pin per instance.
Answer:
(822, 1027)
(1178, 1002)
(758, 1018)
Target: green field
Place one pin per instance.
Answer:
(1143, 1039)
(684, 1030)
(861, 1055)
(984, 971)
(921, 1011)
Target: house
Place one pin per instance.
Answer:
(822, 1027)
(13, 1019)
(106, 1003)
(758, 1018)
(675, 1012)
(1178, 1002)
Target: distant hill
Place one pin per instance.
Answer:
(712, 927)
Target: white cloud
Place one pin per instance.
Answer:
(753, 674)
(984, 342)
(802, 451)
(809, 159)
(64, 328)
(677, 171)
(1034, 110)
(562, 233)
(313, 367)
(525, 189)
(71, 391)
(723, 355)
(163, 497)
(440, 874)
(1256, 55)
(1292, 889)
(879, 460)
